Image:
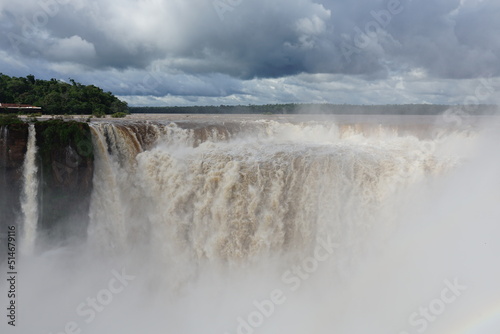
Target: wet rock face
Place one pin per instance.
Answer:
(65, 172)
(13, 143)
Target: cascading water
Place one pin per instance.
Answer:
(29, 200)
(238, 197)
(283, 227)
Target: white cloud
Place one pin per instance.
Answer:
(72, 49)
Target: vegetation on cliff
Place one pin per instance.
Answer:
(9, 120)
(57, 97)
(59, 135)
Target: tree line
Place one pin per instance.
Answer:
(333, 109)
(57, 97)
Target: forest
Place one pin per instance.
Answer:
(334, 109)
(57, 97)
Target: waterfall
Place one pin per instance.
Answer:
(29, 199)
(204, 194)
(305, 227)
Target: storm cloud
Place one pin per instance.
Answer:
(240, 51)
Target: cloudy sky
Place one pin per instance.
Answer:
(206, 52)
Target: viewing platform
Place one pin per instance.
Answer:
(13, 107)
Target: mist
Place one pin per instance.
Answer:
(275, 227)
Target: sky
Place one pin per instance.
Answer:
(239, 52)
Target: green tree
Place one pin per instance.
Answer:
(58, 97)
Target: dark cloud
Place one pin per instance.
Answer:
(210, 48)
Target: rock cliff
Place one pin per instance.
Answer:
(65, 170)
